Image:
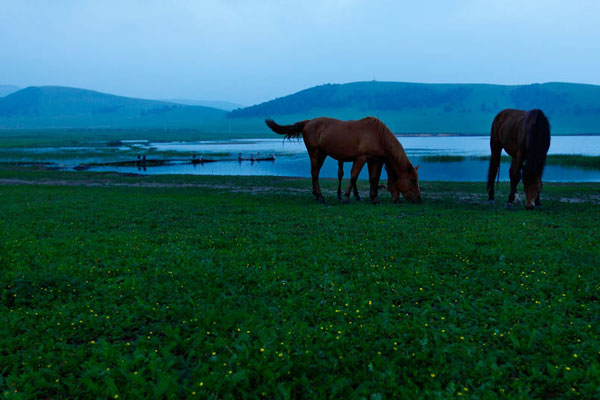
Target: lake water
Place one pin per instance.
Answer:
(414, 145)
(292, 158)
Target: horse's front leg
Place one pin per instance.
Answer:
(340, 176)
(356, 167)
(316, 162)
(538, 203)
(515, 177)
(375, 167)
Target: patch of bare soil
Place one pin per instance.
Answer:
(108, 183)
(460, 196)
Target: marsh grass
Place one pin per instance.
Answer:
(565, 160)
(443, 158)
(232, 287)
(575, 161)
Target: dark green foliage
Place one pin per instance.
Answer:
(244, 287)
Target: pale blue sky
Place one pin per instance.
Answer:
(253, 51)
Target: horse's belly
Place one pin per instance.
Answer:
(347, 150)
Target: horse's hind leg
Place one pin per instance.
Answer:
(356, 167)
(355, 192)
(316, 162)
(340, 176)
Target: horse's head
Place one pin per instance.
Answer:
(532, 191)
(407, 183)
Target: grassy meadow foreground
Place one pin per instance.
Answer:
(130, 287)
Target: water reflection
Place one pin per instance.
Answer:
(414, 145)
(299, 165)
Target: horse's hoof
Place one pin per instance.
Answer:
(509, 206)
(375, 202)
(321, 200)
(346, 200)
(339, 196)
(357, 198)
(491, 202)
(529, 208)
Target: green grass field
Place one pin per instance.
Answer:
(244, 287)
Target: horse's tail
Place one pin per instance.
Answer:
(290, 131)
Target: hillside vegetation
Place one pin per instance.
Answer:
(437, 108)
(62, 107)
(404, 107)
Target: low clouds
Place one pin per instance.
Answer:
(251, 51)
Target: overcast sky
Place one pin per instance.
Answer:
(249, 51)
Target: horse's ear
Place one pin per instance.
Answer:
(417, 167)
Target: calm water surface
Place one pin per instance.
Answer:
(414, 145)
(292, 159)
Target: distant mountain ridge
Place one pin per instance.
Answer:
(453, 108)
(404, 107)
(386, 96)
(5, 90)
(221, 105)
(64, 107)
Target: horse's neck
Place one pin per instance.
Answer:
(397, 156)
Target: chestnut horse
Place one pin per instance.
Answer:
(525, 136)
(363, 141)
(389, 187)
(340, 177)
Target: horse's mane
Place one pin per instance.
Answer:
(391, 144)
(537, 141)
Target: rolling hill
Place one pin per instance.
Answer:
(449, 108)
(404, 107)
(5, 90)
(221, 105)
(63, 107)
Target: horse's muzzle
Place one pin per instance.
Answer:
(415, 200)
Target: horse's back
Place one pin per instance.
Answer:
(509, 118)
(342, 140)
(506, 130)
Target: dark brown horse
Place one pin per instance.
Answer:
(363, 141)
(525, 136)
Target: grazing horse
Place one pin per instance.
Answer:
(340, 177)
(525, 136)
(363, 141)
(389, 187)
